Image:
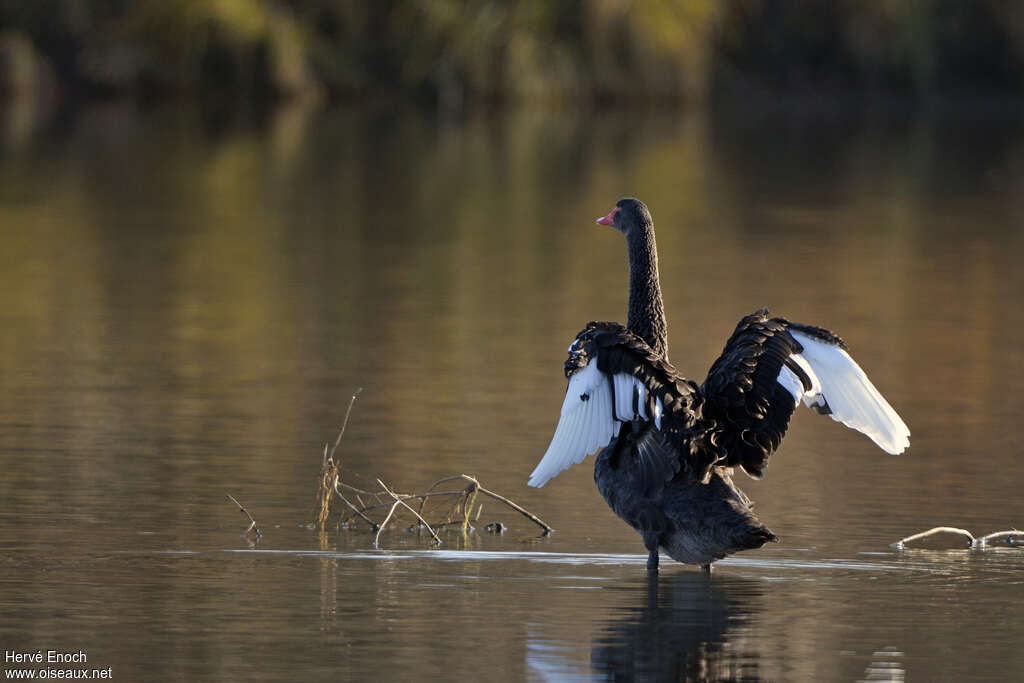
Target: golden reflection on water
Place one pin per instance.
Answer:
(188, 301)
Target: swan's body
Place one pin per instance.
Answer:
(667, 446)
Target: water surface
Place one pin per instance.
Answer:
(189, 299)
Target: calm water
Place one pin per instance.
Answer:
(187, 301)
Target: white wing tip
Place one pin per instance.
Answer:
(844, 388)
(537, 480)
(586, 425)
(896, 444)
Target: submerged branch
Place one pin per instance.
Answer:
(518, 508)
(1013, 537)
(376, 539)
(406, 506)
(410, 496)
(354, 509)
(474, 487)
(252, 522)
(464, 500)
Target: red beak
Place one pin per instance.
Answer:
(610, 218)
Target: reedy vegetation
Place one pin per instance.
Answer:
(455, 50)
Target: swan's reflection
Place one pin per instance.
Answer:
(687, 626)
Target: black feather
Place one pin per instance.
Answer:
(742, 396)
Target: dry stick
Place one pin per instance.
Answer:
(423, 502)
(470, 501)
(353, 508)
(931, 532)
(473, 486)
(521, 510)
(437, 539)
(1008, 535)
(331, 473)
(972, 542)
(464, 477)
(459, 501)
(464, 492)
(252, 525)
(413, 496)
(324, 494)
(344, 423)
(376, 539)
(469, 493)
(353, 489)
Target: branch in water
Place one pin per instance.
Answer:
(1013, 537)
(463, 500)
(406, 506)
(252, 522)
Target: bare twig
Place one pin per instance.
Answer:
(464, 500)
(252, 522)
(376, 539)
(475, 485)
(972, 542)
(471, 493)
(434, 485)
(521, 510)
(354, 509)
(330, 476)
(931, 532)
(411, 496)
(456, 477)
(353, 489)
(1011, 537)
(406, 506)
(344, 423)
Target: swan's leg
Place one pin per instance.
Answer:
(651, 543)
(706, 568)
(652, 562)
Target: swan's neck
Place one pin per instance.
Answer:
(646, 311)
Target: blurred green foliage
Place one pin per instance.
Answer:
(550, 49)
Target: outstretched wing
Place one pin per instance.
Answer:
(615, 378)
(767, 367)
(587, 423)
(841, 390)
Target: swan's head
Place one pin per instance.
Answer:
(628, 215)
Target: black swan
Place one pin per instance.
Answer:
(667, 445)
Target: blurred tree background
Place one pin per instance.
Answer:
(454, 51)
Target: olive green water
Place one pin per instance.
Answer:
(188, 300)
